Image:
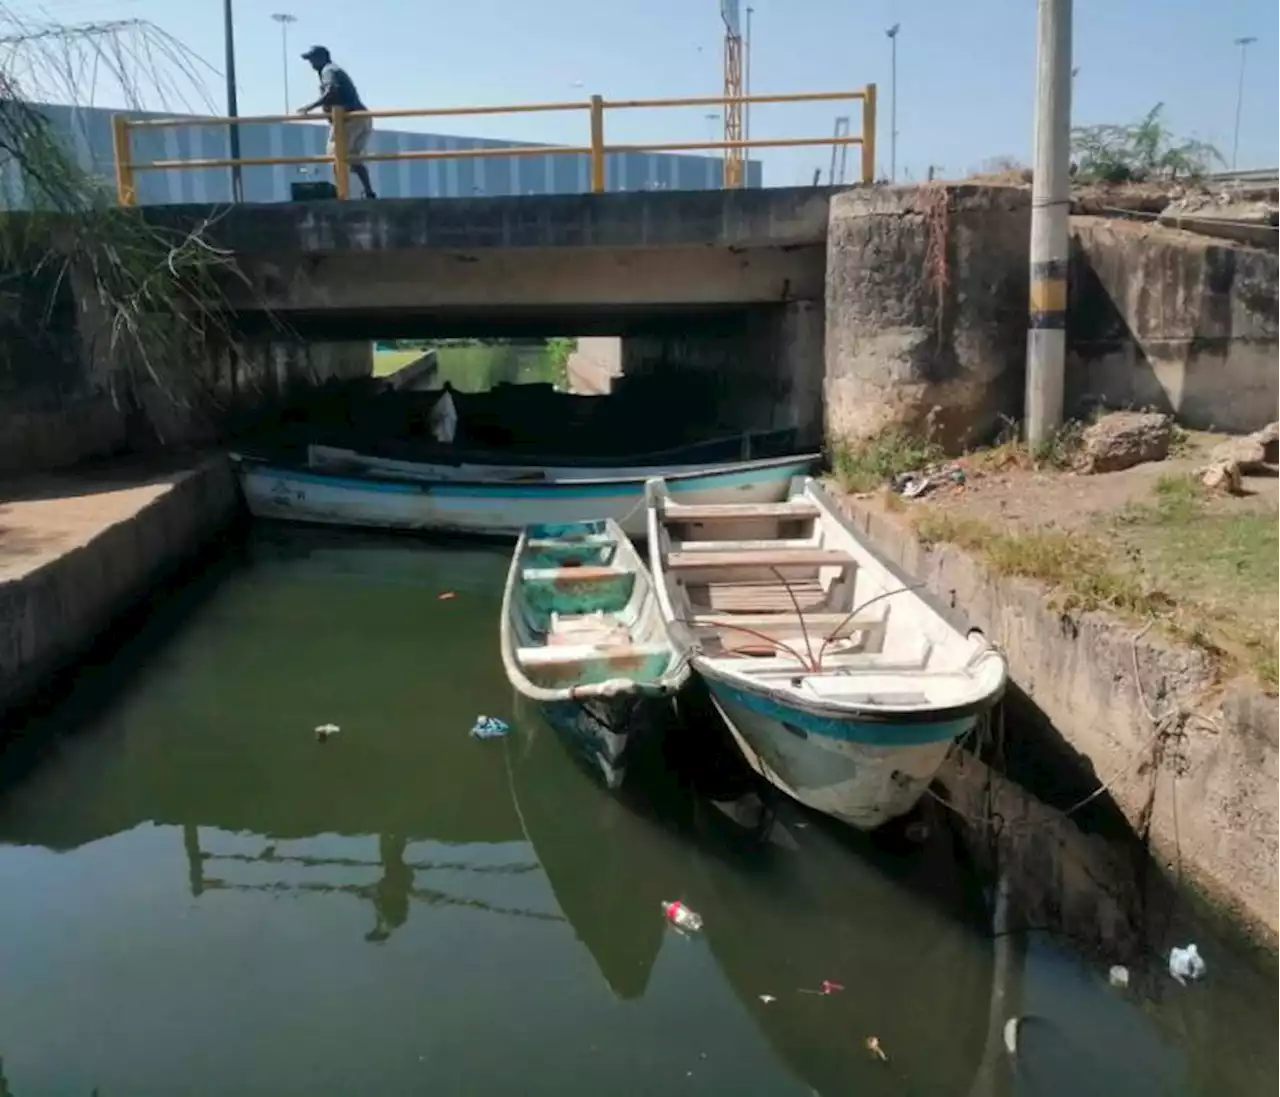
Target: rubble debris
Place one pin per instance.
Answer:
(1224, 476)
(1123, 439)
(1247, 453)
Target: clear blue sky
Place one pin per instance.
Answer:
(965, 69)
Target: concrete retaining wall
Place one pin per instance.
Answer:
(75, 554)
(52, 419)
(1210, 799)
(1171, 320)
(926, 308)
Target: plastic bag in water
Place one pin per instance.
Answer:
(489, 727)
(1186, 963)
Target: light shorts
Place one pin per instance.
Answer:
(359, 130)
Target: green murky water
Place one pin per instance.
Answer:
(198, 897)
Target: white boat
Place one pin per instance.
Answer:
(841, 685)
(497, 506)
(339, 460)
(582, 636)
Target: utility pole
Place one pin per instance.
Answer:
(229, 35)
(284, 19)
(1050, 203)
(892, 35)
(1244, 44)
(746, 84)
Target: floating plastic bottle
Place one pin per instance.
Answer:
(682, 917)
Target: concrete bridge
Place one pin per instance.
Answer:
(715, 282)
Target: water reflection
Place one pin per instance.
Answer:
(390, 894)
(200, 898)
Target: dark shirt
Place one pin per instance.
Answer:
(338, 90)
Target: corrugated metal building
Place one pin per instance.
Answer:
(89, 129)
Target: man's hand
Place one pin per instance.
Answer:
(304, 110)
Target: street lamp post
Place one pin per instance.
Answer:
(1244, 44)
(284, 19)
(229, 37)
(892, 35)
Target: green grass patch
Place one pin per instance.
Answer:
(478, 367)
(386, 362)
(865, 466)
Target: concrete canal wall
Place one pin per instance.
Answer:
(79, 550)
(1188, 763)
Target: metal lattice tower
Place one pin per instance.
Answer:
(733, 157)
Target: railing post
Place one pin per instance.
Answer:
(869, 134)
(126, 191)
(338, 135)
(597, 144)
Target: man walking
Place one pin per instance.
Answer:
(338, 90)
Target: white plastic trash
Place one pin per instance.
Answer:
(682, 917)
(1118, 976)
(443, 419)
(1186, 963)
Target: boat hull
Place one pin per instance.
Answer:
(502, 509)
(606, 732)
(862, 772)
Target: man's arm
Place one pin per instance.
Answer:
(328, 94)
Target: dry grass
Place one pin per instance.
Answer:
(1204, 571)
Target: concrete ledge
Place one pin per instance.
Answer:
(78, 550)
(1204, 792)
(777, 216)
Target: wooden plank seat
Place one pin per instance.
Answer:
(764, 597)
(759, 558)
(726, 512)
(834, 625)
(562, 666)
(581, 589)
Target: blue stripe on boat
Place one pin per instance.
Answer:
(870, 733)
(507, 490)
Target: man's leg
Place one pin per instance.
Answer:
(358, 135)
(362, 173)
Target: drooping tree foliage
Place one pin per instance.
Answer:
(145, 300)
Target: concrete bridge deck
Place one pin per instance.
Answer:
(575, 263)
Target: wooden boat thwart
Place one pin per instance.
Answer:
(582, 635)
(841, 685)
(495, 507)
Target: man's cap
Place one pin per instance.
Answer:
(315, 52)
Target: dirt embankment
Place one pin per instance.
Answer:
(1138, 611)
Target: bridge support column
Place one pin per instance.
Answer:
(925, 318)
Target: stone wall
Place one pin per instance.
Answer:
(1174, 321)
(926, 308)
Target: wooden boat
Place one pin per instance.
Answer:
(422, 461)
(492, 504)
(337, 460)
(582, 635)
(841, 684)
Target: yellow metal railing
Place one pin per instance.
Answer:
(127, 168)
